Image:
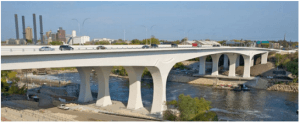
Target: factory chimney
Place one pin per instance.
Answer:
(17, 28)
(34, 29)
(24, 32)
(41, 30)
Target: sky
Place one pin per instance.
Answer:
(172, 20)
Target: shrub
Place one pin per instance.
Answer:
(191, 109)
(207, 116)
(179, 65)
(168, 115)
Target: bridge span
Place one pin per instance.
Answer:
(158, 61)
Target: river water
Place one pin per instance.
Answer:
(254, 105)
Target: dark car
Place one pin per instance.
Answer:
(145, 46)
(174, 45)
(216, 45)
(65, 47)
(154, 46)
(101, 47)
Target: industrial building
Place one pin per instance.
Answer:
(28, 32)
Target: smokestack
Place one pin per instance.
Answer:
(41, 30)
(34, 29)
(17, 28)
(23, 22)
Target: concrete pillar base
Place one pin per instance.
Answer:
(225, 64)
(202, 61)
(85, 94)
(264, 58)
(232, 59)
(215, 66)
(247, 62)
(237, 64)
(103, 98)
(135, 95)
(159, 76)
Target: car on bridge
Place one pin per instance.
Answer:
(154, 46)
(65, 47)
(46, 48)
(174, 45)
(100, 47)
(145, 46)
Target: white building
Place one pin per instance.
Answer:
(81, 39)
(104, 39)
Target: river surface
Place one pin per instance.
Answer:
(254, 105)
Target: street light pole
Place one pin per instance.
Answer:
(78, 26)
(124, 35)
(83, 22)
(150, 33)
(146, 33)
(188, 34)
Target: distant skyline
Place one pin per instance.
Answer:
(254, 20)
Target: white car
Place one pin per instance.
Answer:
(63, 106)
(46, 48)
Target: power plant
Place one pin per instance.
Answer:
(24, 40)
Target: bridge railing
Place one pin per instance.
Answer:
(86, 48)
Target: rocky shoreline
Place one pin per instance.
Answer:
(284, 87)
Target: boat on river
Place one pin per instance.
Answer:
(241, 88)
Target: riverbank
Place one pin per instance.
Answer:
(284, 87)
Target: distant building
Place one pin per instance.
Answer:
(48, 34)
(28, 32)
(103, 39)
(202, 42)
(12, 41)
(61, 35)
(53, 37)
(81, 39)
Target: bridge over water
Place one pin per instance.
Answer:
(159, 61)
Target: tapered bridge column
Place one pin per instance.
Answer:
(225, 64)
(202, 61)
(264, 58)
(252, 61)
(232, 59)
(237, 64)
(215, 59)
(247, 62)
(103, 98)
(159, 76)
(135, 95)
(85, 94)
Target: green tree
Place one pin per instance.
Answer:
(194, 109)
(179, 65)
(135, 41)
(56, 43)
(29, 41)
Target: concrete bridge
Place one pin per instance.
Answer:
(158, 61)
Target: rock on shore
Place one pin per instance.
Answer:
(283, 87)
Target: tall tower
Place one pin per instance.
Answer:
(34, 29)
(73, 33)
(17, 28)
(23, 24)
(41, 30)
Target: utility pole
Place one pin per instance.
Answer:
(284, 37)
(124, 35)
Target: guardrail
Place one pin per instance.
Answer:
(82, 48)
